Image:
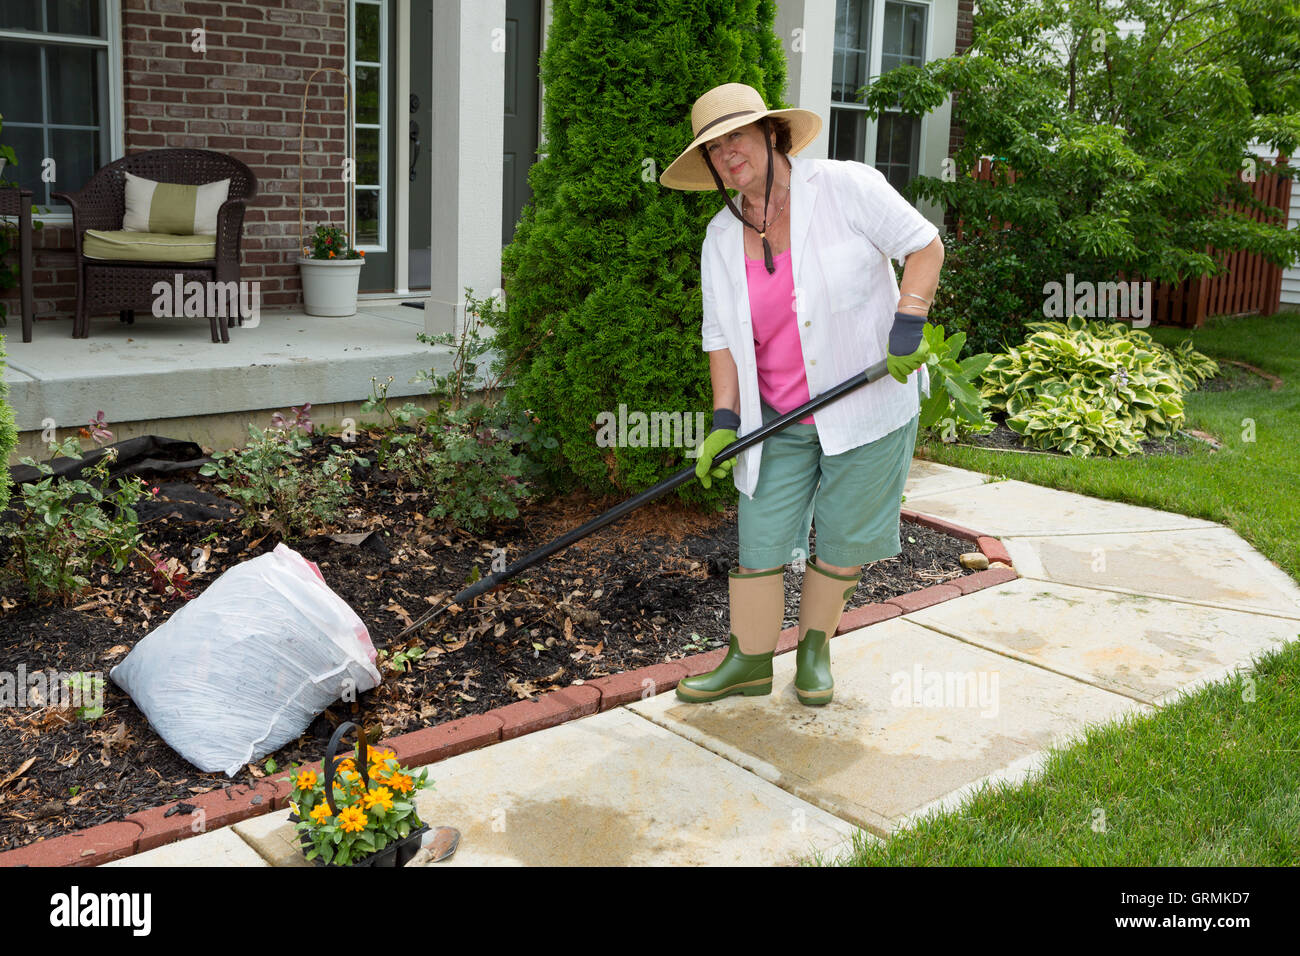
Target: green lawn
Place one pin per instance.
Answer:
(1213, 779)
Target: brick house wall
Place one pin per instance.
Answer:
(965, 30)
(241, 96)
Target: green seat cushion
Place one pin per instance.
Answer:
(147, 246)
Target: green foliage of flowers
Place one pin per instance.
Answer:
(1092, 387)
(478, 456)
(368, 818)
(330, 242)
(65, 526)
(955, 404)
(276, 491)
(602, 277)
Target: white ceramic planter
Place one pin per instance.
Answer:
(329, 286)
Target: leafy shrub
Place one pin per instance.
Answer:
(1085, 392)
(956, 404)
(275, 490)
(65, 526)
(992, 285)
(479, 456)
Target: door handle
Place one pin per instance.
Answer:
(415, 147)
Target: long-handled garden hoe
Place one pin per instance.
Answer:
(483, 585)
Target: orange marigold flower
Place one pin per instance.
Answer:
(401, 782)
(331, 255)
(381, 796)
(320, 813)
(306, 779)
(347, 763)
(352, 819)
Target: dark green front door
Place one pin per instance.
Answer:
(523, 48)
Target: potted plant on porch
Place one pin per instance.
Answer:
(329, 266)
(331, 273)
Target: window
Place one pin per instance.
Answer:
(368, 67)
(59, 76)
(894, 141)
(850, 71)
(898, 138)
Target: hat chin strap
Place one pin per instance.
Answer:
(767, 194)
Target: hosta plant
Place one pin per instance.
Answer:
(1068, 423)
(1190, 366)
(1122, 377)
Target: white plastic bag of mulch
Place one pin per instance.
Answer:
(246, 666)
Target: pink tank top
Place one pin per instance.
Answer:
(781, 379)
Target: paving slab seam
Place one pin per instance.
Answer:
(463, 734)
(795, 786)
(1017, 533)
(1012, 655)
(1169, 598)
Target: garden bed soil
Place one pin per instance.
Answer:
(650, 588)
(1003, 438)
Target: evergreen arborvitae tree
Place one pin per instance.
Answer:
(602, 279)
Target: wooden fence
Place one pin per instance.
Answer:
(1249, 284)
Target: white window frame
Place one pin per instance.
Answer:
(111, 44)
(875, 55)
(385, 52)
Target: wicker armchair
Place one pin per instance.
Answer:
(105, 285)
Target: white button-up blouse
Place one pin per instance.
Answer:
(846, 223)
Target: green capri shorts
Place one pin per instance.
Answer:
(854, 498)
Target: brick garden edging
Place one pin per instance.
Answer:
(148, 829)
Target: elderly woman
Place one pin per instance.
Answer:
(798, 296)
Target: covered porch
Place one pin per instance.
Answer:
(165, 376)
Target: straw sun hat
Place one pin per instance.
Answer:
(721, 110)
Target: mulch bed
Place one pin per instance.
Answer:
(650, 588)
(1003, 438)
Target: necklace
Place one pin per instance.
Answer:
(763, 232)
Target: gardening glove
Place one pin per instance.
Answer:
(725, 423)
(908, 349)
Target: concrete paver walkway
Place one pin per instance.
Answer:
(1118, 609)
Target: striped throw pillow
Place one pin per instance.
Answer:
(172, 208)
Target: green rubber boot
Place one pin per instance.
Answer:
(820, 607)
(757, 607)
